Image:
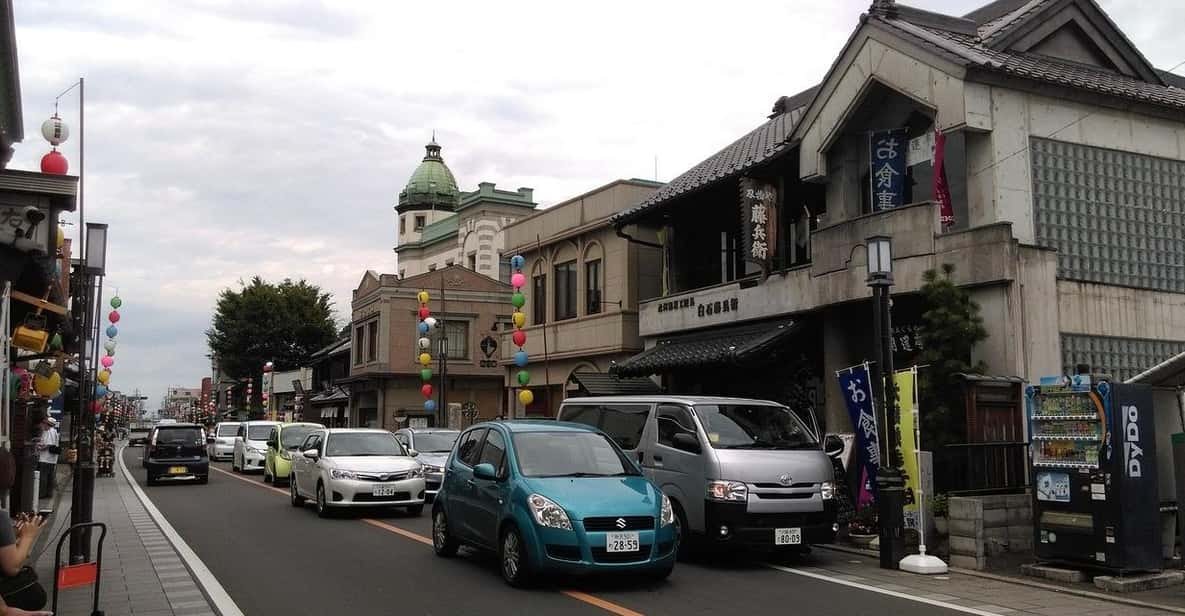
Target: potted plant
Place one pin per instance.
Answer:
(940, 506)
(864, 529)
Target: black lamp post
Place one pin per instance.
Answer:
(889, 483)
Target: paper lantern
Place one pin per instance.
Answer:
(116, 302)
(517, 262)
(432, 323)
(423, 297)
(526, 397)
(425, 359)
(517, 280)
(110, 346)
(112, 331)
(524, 377)
(424, 312)
(113, 316)
(96, 407)
(55, 130)
(426, 374)
(104, 376)
(47, 386)
(519, 337)
(520, 359)
(424, 344)
(430, 406)
(107, 361)
(519, 318)
(422, 328)
(55, 342)
(100, 391)
(54, 163)
(61, 239)
(426, 389)
(518, 300)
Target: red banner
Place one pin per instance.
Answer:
(946, 212)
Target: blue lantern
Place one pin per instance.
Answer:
(100, 391)
(423, 328)
(430, 406)
(112, 331)
(517, 262)
(520, 359)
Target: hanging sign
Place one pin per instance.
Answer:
(758, 221)
(886, 177)
(907, 428)
(855, 384)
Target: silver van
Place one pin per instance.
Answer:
(743, 473)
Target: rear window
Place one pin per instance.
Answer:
(139, 431)
(258, 433)
(622, 422)
(179, 436)
(228, 430)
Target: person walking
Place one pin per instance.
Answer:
(47, 460)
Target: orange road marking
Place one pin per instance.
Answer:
(574, 594)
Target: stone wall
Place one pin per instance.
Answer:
(982, 527)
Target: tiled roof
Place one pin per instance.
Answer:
(756, 147)
(698, 349)
(602, 384)
(1001, 26)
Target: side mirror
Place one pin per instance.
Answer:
(686, 442)
(273, 443)
(413, 453)
(311, 454)
(833, 445)
(485, 470)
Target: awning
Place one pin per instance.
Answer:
(734, 345)
(1168, 373)
(602, 384)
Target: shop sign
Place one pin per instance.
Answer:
(758, 221)
(23, 228)
(906, 339)
(886, 177)
(707, 309)
(676, 304)
(856, 385)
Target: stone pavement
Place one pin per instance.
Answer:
(992, 596)
(142, 575)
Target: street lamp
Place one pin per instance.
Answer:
(890, 486)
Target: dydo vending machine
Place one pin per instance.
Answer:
(1093, 464)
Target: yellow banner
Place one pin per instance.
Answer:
(907, 417)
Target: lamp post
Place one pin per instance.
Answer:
(890, 485)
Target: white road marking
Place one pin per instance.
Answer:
(214, 591)
(891, 593)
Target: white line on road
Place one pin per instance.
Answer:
(883, 591)
(214, 591)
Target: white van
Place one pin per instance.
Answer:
(743, 473)
(250, 452)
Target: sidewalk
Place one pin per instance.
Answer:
(142, 574)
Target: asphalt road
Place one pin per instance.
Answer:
(276, 560)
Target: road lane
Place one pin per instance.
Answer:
(276, 559)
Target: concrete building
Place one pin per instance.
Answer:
(440, 226)
(384, 382)
(583, 286)
(1064, 151)
(180, 401)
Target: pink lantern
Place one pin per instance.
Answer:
(107, 361)
(114, 316)
(517, 280)
(424, 313)
(519, 337)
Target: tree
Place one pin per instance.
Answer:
(259, 322)
(951, 327)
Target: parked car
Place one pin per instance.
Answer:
(433, 446)
(250, 451)
(223, 446)
(177, 451)
(739, 472)
(282, 444)
(138, 437)
(552, 496)
(356, 467)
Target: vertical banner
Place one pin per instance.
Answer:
(856, 385)
(758, 221)
(886, 173)
(946, 211)
(907, 421)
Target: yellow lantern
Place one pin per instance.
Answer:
(425, 359)
(104, 376)
(520, 319)
(61, 239)
(526, 397)
(47, 386)
(423, 297)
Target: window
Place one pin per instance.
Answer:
(372, 341)
(402, 225)
(258, 433)
(567, 454)
(673, 420)
(746, 426)
(359, 344)
(456, 333)
(592, 287)
(226, 430)
(504, 269)
(420, 220)
(472, 262)
(468, 449)
(565, 291)
(291, 436)
(402, 438)
(494, 451)
(622, 422)
(539, 299)
(309, 443)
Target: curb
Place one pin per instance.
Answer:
(215, 594)
(1086, 594)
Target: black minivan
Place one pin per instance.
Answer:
(177, 451)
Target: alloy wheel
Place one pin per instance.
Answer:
(322, 507)
(439, 530)
(511, 556)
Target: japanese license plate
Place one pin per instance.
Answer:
(622, 542)
(383, 490)
(178, 470)
(787, 536)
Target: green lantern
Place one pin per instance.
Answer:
(426, 374)
(524, 377)
(116, 302)
(518, 299)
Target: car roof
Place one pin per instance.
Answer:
(686, 400)
(178, 425)
(355, 430)
(300, 423)
(539, 425)
(429, 430)
(260, 422)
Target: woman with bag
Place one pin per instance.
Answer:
(19, 587)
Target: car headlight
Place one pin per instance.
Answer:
(416, 473)
(339, 474)
(668, 512)
(547, 513)
(827, 490)
(428, 468)
(722, 490)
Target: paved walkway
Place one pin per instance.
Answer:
(142, 573)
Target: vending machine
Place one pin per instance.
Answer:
(1093, 464)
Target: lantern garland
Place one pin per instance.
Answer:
(102, 388)
(426, 326)
(55, 132)
(518, 300)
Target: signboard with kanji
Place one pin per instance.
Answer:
(887, 157)
(758, 221)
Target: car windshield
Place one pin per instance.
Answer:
(569, 454)
(435, 441)
(139, 431)
(258, 433)
(292, 436)
(179, 436)
(363, 444)
(228, 430)
(750, 426)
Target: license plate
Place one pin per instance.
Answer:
(787, 536)
(178, 470)
(383, 490)
(622, 542)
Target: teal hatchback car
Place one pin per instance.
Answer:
(552, 496)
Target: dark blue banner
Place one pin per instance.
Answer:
(856, 385)
(886, 177)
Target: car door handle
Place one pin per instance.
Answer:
(657, 458)
(470, 482)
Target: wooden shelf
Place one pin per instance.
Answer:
(1068, 437)
(1066, 417)
(1064, 465)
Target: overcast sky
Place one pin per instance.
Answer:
(230, 138)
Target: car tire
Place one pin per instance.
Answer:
(416, 510)
(150, 480)
(661, 575)
(686, 548)
(234, 464)
(443, 543)
(513, 560)
(203, 480)
(297, 499)
(323, 509)
(267, 478)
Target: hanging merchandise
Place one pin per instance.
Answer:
(519, 337)
(47, 386)
(426, 326)
(32, 335)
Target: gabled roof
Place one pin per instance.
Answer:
(758, 146)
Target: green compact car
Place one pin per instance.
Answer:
(282, 444)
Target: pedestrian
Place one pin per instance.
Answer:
(19, 587)
(47, 459)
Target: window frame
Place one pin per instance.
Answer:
(402, 225)
(372, 340)
(566, 290)
(479, 438)
(592, 285)
(643, 408)
(539, 299)
(359, 343)
(500, 468)
(658, 418)
(420, 222)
